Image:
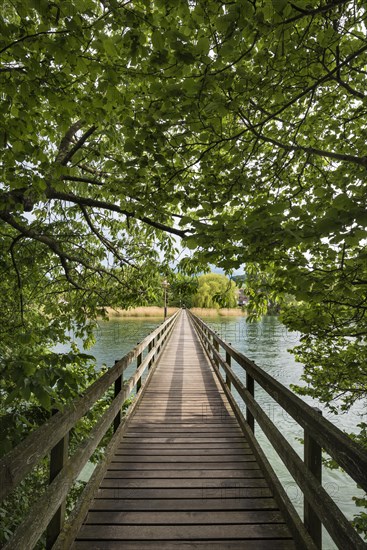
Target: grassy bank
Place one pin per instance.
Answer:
(212, 312)
(154, 311)
(151, 311)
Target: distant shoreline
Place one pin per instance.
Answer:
(222, 312)
(155, 311)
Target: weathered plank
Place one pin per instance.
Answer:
(182, 452)
(185, 483)
(205, 492)
(186, 459)
(177, 518)
(182, 439)
(186, 545)
(168, 505)
(177, 532)
(138, 466)
(185, 474)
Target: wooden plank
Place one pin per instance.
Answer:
(186, 459)
(205, 492)
(169, 505)
(114, 465)
(186, 545)
(181, 431)
(190, 447)
(190, 422)
(177, 532)
(184, 474)
(190, 518)
(194, 423)
(179, 483)
(182, 452)
(185, 417)
(208, 438)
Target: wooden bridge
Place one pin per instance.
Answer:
(183, 469)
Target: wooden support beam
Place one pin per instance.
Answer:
(58, 458)
(250, 386)
(138, 363)
(118, 388)
(312, 459)
(228, 361)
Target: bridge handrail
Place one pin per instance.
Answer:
(348, 454)
(26, 456)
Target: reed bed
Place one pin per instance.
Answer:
(155, 311)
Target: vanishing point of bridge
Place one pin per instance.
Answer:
(183, 469)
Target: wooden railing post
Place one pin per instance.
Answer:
(138, 363)
(250, 386)
(150, 347)
(228, 361)
(207, 339)
(118, 388)
(58, 458)
(312, 458)
(216, 347)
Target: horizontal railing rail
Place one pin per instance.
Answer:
(47, 514)
(319, 433)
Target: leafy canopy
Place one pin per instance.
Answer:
(238, 127)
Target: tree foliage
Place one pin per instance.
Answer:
(239, 127)
(215, 291)
(182, 290)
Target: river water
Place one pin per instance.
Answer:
(267, 343)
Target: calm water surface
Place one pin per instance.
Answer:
(266, 343)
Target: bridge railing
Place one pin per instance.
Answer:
(51, 439)
(319, 508)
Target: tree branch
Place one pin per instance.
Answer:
(69, 155)
(55, 247)
(29, 36)
(48, 241)
(19, 278)
(83, 180)
(362, 161)
(312, 13)
(102, 238)
(87, 201)
(66, 141)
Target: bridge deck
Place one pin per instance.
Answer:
(183, 475)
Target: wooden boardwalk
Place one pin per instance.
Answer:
(184, 475)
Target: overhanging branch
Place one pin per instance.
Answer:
(95, 203)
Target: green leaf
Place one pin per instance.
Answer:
(43, 397)
(203, 45)
(158, 40)
(279, 5)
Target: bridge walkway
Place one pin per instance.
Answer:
(183, 475)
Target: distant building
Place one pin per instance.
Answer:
(242, 300)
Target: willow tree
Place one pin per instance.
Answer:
(215, 291)
(238, 127)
